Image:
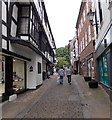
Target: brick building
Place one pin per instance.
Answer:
(85, 36)
(73, 53)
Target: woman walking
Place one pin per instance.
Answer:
(61, 74)
(69, 74)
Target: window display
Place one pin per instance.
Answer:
(2, 75)
(18, 75)
(91, 68)
(103, 70)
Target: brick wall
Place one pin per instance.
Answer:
(85, 34)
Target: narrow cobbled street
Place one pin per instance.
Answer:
(53, 100)
(59, 101)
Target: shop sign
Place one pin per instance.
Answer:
(31, 69)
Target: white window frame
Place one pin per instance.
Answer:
(84, 15)
(89, 33)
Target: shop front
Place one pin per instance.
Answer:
(90, 66)
(87, 66)
(12, 76)
(103, 70)
(2, 75)
(104, 58)
(18, 75)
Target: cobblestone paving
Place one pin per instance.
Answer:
(59, 101)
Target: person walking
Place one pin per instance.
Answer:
(61, 74)
(69, 74)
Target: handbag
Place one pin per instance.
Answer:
(58, 79)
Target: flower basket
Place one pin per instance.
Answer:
(93, 84)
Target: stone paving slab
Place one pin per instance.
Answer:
(53, 100)
(95, 101)
(59, 101)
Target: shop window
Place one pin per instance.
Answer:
(103, 70)
(2, 75)
(91, 68)
(84, 68)
(18, 75)
(39, 67)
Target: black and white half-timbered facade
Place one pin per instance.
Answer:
(27, 46)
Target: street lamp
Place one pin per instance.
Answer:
(90, 15)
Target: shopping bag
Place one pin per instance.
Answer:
(58, 79)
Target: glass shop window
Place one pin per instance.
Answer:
(18, 75)
(103, 70)
(91, 68)
(2, 75)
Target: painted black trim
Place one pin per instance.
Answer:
(7, 4)
(15, 55)
(8, 75)
(30, 45)
(13, 19)
(4, 37)
(46, 18)
(29, 20)
(4, 23)
(40, 22)
(25, 74)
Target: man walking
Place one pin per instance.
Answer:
(69, 74)
(61, 74)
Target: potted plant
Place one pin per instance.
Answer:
(87, 78)
(93, 84)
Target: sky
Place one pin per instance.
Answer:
(62, 15)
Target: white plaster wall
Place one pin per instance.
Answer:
(4, 30)
(13, 29)
(4, 44)
(106, 22)
(39, 79)
(43, 65)
(15, 11)
(4, 11)
(21, 50)
(39, 8)
(33, 78)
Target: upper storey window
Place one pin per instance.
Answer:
(100, 12)
(25, 11)
(24, 20)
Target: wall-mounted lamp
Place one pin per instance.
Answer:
(90, 17)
